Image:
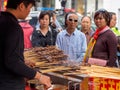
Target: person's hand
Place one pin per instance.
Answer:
(43, 79)
(30, 63)
(46, 81)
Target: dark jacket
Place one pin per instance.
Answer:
(38, 39)
(12, 66)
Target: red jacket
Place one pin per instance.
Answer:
(27, 29)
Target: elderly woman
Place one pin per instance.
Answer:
(45, 35)
(103, 42)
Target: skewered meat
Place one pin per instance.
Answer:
(49, 53)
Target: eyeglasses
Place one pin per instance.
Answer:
(73, 20)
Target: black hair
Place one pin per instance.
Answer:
(43, 13)
(66, 15)
(105, 15)
(86, 16)
(15, 3)
(111, 14)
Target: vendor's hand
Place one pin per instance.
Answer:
(45, 80)
(30, 63)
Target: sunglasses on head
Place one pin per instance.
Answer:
(101, 10)
(73, 20)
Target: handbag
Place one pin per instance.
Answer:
(96, 61)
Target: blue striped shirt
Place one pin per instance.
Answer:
(73, 45)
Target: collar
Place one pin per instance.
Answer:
(49, 29)
(100, 31)
(11, 15)
(74, 33)
(87, 32)
(104, 29)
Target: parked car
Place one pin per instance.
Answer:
(34, 15)
(61, 20)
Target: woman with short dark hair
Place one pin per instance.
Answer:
(45, 35)
(103, 42)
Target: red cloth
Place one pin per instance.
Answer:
(27, 87)
(97, 32)
(27, 29)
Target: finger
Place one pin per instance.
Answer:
(45, 87)
(48, 84)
